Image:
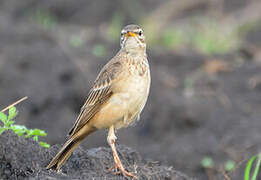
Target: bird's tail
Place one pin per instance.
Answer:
(65, 152)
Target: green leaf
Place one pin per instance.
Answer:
(207, 162)
(8, 123)
(38, 132)
(2, 130)
(12, 113)
(29, 133)
(230, 165)
(20, 133)
(18, 129)
(44, 144)
(3, 117)
(248, 168)
(35, 138)
(42, 133)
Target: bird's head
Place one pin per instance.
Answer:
(132, 38)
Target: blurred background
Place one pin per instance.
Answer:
(205, 59)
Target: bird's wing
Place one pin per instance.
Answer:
(98, 95)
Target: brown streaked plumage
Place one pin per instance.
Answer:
(116, 99)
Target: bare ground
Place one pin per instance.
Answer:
(25, 159)
(192, 111)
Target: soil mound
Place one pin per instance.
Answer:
(22, 158)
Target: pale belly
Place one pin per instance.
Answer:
(124, 106)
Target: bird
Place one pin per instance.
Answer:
(115, 100)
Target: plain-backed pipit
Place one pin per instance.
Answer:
(116, 99)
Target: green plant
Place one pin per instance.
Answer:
(173, 38)
(229, 165)
(211, 39)
(76, 41)
(207, 162)
(8, 124)
(99, 50)
(114, 27)
(249, 166)
(45, 18)
(206, 35)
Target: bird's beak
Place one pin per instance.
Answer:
(128, 34)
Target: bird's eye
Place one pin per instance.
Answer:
(140, 33)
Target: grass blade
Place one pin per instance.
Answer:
(248, 168)
(255, 174)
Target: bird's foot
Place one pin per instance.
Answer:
(118, 169)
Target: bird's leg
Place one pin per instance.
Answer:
(118, 165)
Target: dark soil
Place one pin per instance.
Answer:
(190, 113)
(25, 159)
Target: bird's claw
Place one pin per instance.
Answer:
(117, 170)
